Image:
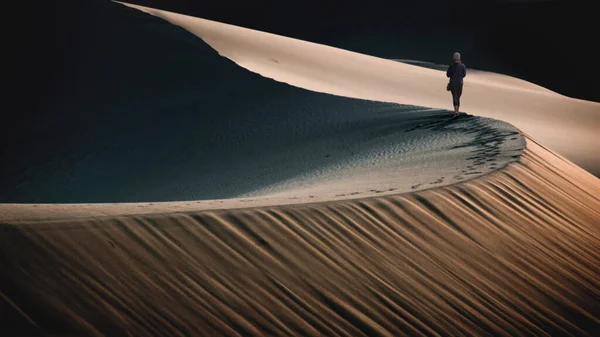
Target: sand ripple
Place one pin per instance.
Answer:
(513, 253)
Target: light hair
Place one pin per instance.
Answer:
(456, 57)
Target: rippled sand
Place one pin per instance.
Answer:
(514, 253)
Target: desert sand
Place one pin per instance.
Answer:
(510, 251)
(566, 125)
(513, 253)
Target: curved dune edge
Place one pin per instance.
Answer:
(573, 122)
(431, 151)
(512, 253)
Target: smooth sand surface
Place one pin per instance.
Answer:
(566, 125)
(513, 252)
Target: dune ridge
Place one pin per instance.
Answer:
(183, 123)
(529, 107)
(513, 253)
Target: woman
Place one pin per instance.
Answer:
(456, 72)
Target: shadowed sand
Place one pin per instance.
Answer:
(566, 125)
(183, 123)
(514, 253)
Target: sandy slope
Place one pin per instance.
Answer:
(183, 123)
(514, 253)
(568, 126)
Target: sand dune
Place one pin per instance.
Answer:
(514, 251)
(568, 126)
(183, 123)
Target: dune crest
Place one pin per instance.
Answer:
(529, 107)
(185, 124)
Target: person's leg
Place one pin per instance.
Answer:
(455, 98)
(458, 94)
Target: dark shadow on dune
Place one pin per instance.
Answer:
(146, 111)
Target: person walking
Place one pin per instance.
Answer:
(456, 72)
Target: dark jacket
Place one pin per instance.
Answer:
(456, 72)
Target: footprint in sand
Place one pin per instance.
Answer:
(439, 181)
